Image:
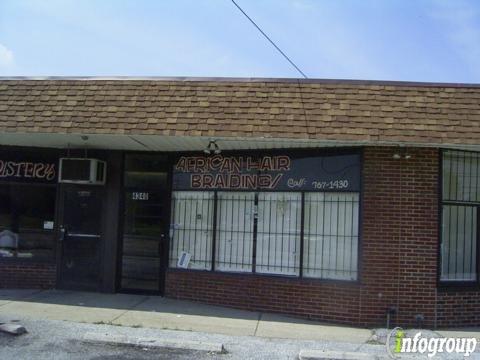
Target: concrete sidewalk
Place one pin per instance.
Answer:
(161, 313)
(156, 312)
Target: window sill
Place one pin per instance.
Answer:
(458, 286)
(292, 278)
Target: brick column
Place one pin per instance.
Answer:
(400, 235)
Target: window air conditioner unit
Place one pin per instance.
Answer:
(82, 171)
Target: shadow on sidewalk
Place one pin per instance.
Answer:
(159, 312)
(121, 302)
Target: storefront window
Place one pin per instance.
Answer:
(256, 213)
(460, 212)
(278, 234)
(235, 222)
(331, 235)
(192, 228)
(27, 215)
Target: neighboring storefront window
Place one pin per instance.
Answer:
(254, 213)
(27, 206)
(460, 212)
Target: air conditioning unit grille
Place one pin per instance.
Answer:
(76, 169)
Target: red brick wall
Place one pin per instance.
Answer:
(305, 298)
(400, 234)
(27, 275)
(458, 308)
(399, 255)
(398, 260)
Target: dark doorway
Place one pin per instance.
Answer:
(80, 237)
(145, 223)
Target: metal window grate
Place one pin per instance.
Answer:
(278, 233)
(459, 243)
(235, 224)
(192, 228)
(331, 235)
(262, 232)
(460, 203)
(461, 176)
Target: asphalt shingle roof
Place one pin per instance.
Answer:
(372, 112)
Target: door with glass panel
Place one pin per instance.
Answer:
(80, 237)
(145, 223)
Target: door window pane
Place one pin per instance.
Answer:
(234, 240)
(78, 209)
(331, 235)
(81, 245)
(278, 234)
(192, 228)
(143, 231)
(144, 171)
(145, 220)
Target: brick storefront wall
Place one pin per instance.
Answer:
(27, 275)
(398, 252)
(458, 308)
(398, 255)
(400, 235)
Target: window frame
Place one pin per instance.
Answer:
(300, 277)
(455, 284)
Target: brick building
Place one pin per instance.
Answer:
(340, 201)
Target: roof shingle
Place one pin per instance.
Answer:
(331, 110)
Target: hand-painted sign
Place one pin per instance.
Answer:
(28, 171)
(271, 172)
